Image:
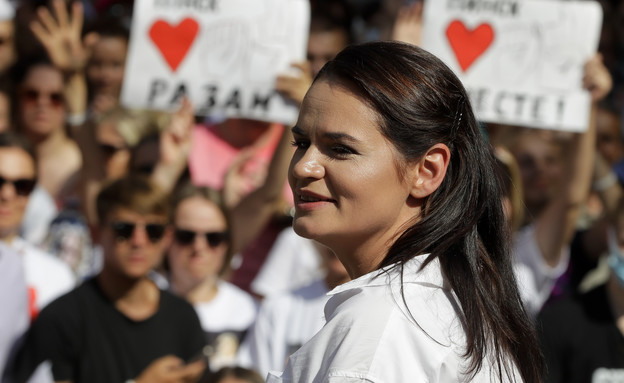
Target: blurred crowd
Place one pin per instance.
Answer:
(114, 222)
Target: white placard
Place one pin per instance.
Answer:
(520, 60)
(222, 54)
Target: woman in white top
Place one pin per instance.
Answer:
(198, 258)
(391, 172)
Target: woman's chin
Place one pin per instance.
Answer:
(304, 230)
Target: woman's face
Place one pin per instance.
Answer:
(345, 173)
(197, 260)
(41, 101)
(540, 162)
(107, 66)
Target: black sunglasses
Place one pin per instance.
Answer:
(22, 186)
(123, 230)
(187, 237)
(108, 150)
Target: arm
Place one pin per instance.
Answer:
(609, 190)
(555, 226)
(252, 213)
(409, 24)
(175, 146)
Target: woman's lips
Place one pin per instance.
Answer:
(307, 200)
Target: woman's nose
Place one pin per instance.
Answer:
(307, 165)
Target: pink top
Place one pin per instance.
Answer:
(211, 157)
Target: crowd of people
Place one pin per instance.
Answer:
(151, 246)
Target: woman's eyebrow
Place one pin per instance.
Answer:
(328, 135)
(340, 136)
(297, 130)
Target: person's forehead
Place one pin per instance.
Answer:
(15, 162)
(333, 40)
(6, 28)
(128, 214)
(43, 77)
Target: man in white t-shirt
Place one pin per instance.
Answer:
(47, 277)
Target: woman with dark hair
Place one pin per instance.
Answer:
(391, 172)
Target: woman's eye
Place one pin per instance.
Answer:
(342, 150)
(300, 144)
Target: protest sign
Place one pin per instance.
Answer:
(520, 60)
(224, 55)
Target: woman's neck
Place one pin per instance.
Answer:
(46, 145)
(204, 291)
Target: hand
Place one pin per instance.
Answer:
(597, 79)
(409, 24)
(295, 87)
(175, 140)
(60, 36)
(171, 369)
(238, 181)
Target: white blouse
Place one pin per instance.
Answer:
(370, 336)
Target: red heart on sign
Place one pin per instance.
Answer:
(174, 41)
(469, 45)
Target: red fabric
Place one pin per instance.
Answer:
(32, 303)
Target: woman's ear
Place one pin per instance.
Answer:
(429, 172)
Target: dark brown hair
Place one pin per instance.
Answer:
(420, 102)
(137, 194)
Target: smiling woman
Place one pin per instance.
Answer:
(385, 174)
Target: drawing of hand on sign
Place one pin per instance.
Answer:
(174, 41)
(562, 61)
(518, 55)
(225, 47)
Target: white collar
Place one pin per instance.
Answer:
(390, 276)
(430, 275)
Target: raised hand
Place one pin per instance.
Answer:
(175, 146)
(175, 140)
(60, 35)
(597, 79)
(294, 87)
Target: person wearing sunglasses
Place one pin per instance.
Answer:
(198, 260)
(119, 326)
(47, 277)
(40, 112)
(41, 115)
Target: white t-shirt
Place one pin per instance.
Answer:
(293, 262)
(40, 212)
(14, 302)
(284, 323)
(231, 312)
(370, 336)
(536, 278)
(47, 277)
